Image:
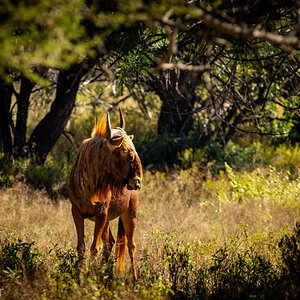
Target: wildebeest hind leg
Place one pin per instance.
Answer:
(79, 223)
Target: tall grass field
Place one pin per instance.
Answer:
(233, 235)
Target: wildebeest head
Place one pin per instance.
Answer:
(123, 164)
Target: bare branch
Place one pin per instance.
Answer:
(252, 131)
(73, 143)
(183, 67)
(118, 102)
(97, 99)
(272, 80)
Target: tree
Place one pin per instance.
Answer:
(39, 38)
(229, 62)
(5, 102)
(47, 132)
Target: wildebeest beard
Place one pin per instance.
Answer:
(110, 183)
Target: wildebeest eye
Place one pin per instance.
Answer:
(123, 151)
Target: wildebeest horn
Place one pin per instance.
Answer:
(122, 121)
(107, 134)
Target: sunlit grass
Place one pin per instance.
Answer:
(185, 225)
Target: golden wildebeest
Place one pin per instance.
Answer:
(103, 185)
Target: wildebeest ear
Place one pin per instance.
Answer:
(116, 142)
(131, 136)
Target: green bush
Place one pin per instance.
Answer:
(274, 187)
(19, 260)
(162, 152)
(180, 267)
(66, 276)
(52, 176)
(6, 170)
(248, 266)
(289, 245)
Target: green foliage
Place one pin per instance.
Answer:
(152, 283)
(180, 266)
(163, 151)
(6, 173)
(6, 180)
(188, 157)
(289, 245)
(65, 278)
(55, 33)
(41, 32)
(283, 157)
(276, 188)
(133, 64)
(52, 176)
(249, 266)
(170, 151)
(242, 274)
(261, 265)
(68, 261)
(19, 260)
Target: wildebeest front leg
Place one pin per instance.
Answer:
(108, 242)
(79, 224)
(100, 220)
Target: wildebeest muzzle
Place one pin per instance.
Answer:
(134, 183)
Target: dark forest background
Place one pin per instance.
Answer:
(198, 73)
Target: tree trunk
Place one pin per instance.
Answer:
(295, 132)
(49, 129)
(6, 91)
(177, 93)
(174, 116)
(21, 123)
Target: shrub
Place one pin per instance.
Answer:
(276, 188)
(260, 266)
(52, 176)
(66, 277)
(19, 260)
(289, 245)
(160, 152)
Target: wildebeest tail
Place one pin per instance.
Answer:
(121, 245)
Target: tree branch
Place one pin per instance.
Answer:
(184, 67)
(290, 41)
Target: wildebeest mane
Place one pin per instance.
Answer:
(100, 127)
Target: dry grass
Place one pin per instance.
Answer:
(180, 204)
(195, 209)
(183, 224)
